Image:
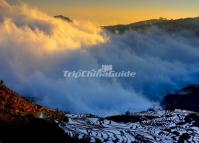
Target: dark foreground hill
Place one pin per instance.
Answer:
(187, 99)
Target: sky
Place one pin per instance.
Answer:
(109, 12)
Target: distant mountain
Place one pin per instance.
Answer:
(23, 121)
(186, 99)
(63, 18)
(162, 23)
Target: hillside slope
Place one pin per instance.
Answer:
(12, 105)
(22, 121)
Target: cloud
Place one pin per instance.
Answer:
(25, 25)
(35, 49)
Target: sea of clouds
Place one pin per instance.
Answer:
(36, 48)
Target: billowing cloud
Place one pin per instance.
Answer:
(23, 25)
(35, 49)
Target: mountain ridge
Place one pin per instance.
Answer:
(171, 25)
(168, 25)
